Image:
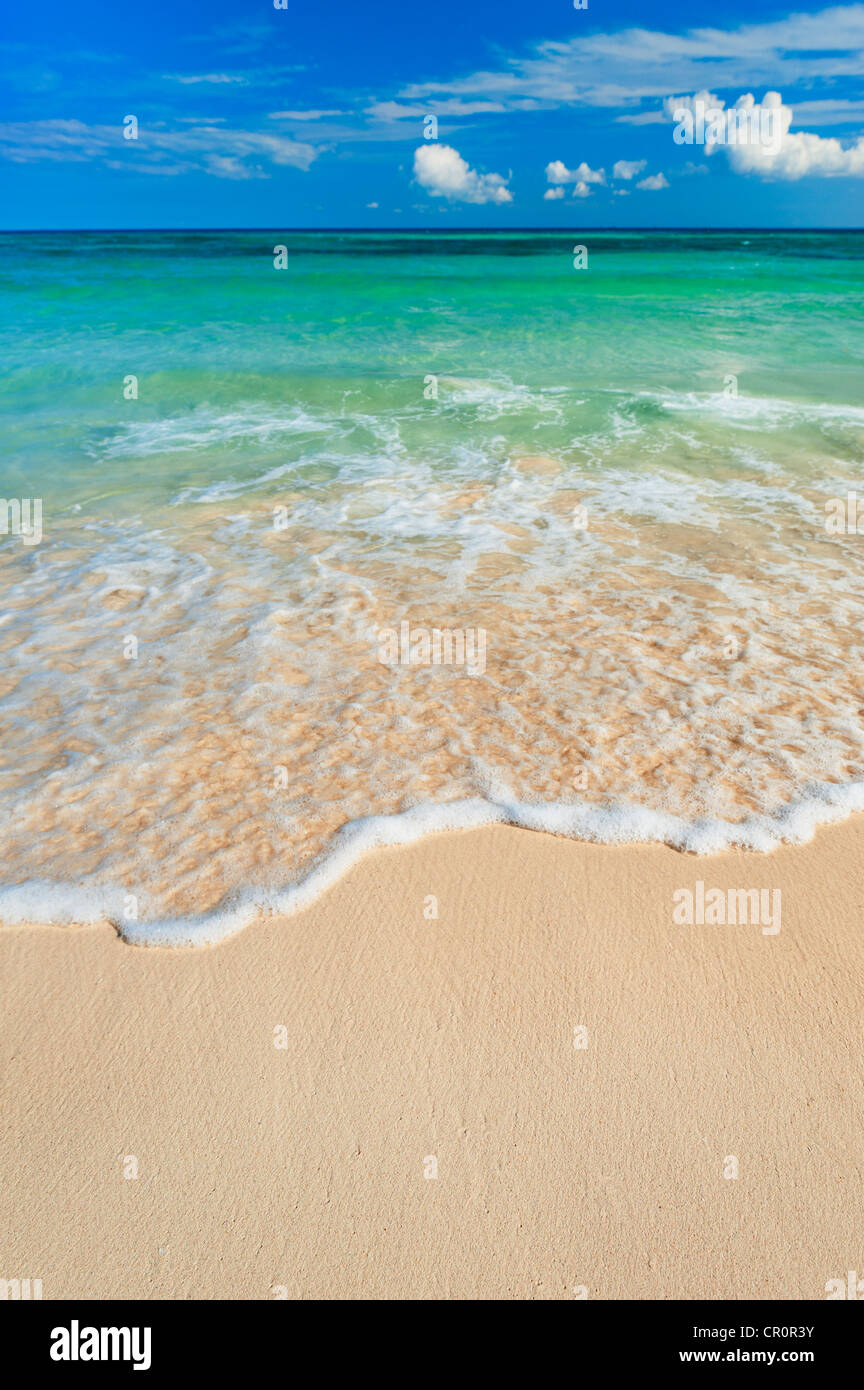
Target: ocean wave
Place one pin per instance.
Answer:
(49, 903)
(771, 410)
(204, 428)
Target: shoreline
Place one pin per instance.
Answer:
(614, 827)
(282, 1095)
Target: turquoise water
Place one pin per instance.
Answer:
(619, 473)
(206, 323)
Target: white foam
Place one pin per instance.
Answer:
(766, 409)
(205, 427)
(44, 902)
(392, 487)
(795, 823)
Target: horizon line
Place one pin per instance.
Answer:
(433, 231)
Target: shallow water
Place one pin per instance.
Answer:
(617, 475)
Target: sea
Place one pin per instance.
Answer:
(316, 542)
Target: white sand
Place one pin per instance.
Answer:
(302, 1168)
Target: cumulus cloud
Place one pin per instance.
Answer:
(756, 137)
(653, 182)
(628, 168)
(557, 172)
(443, 172)
(581, 190)
(552, 193)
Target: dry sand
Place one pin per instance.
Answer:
(300, 1169)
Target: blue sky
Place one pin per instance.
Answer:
(314, 115)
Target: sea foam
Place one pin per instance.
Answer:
(61, 904)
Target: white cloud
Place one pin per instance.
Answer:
(227, 167)
(253, 77)
(216, 78)
(371, 205)
(443, 172)
(211, 149)
(756, 137)
(396, 111)
(581, 190)
(653, 182)
(302, 115)
(829, 112)
(557, 172)
(628, 168)
(642, 118)
(623, 68)
(552, 193)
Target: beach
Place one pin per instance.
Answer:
(432, 835)
(550, 1090)
(431, 650)
(416, 532)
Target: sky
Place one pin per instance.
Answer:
(439, 113)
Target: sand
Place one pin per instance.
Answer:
(413, 1042)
